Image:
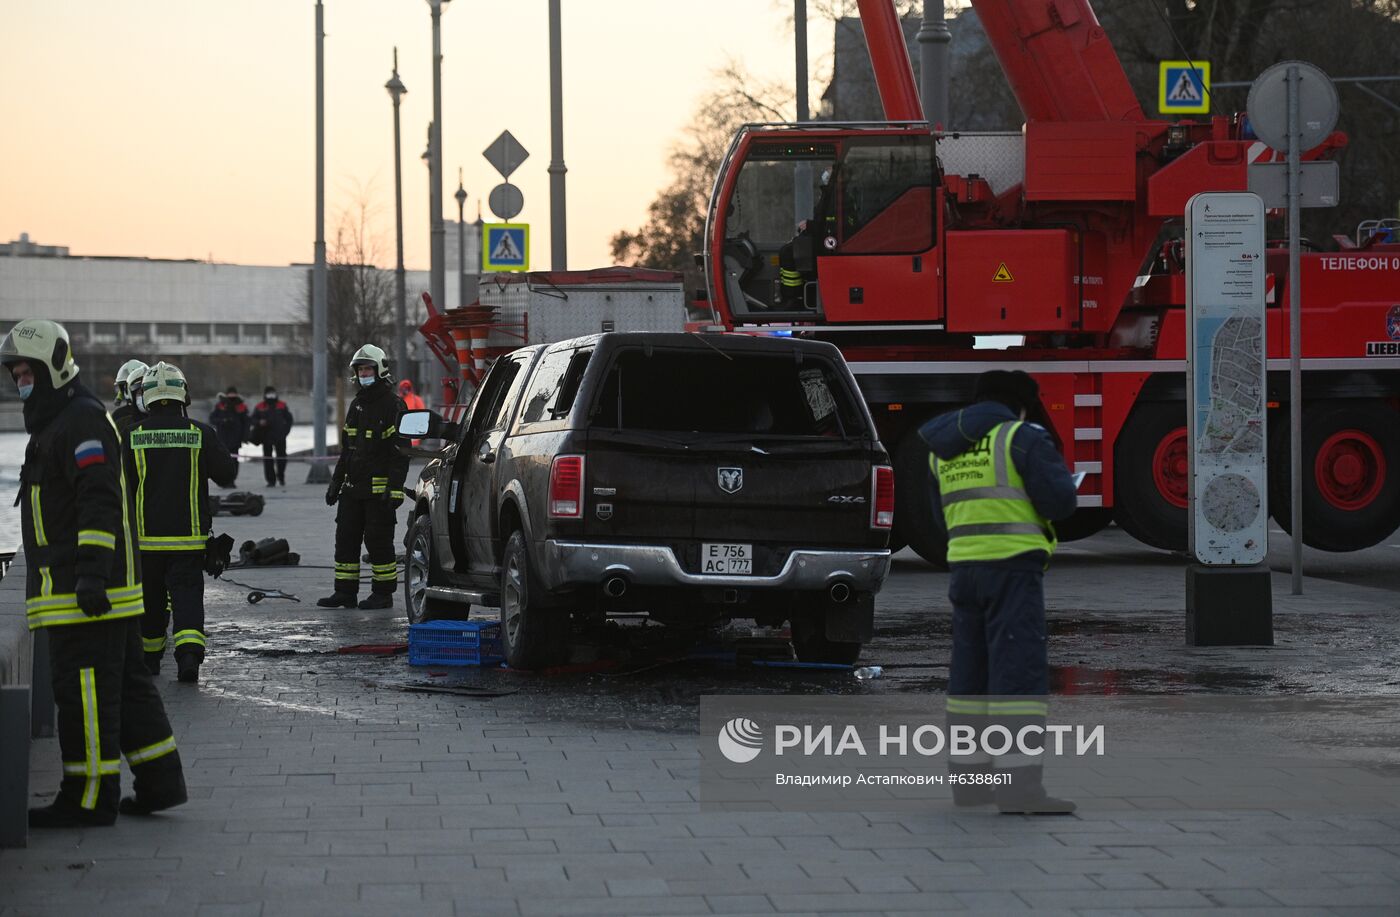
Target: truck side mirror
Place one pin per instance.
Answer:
(415, 424)
(426, 424)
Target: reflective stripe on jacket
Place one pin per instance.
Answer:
(985, 505)
(172, 459)
(75, 518)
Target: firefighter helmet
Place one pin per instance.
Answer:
(38, 340)
(164, 382)
(130, 371)
(372, 355)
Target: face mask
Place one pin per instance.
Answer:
(271, 396)
(367, 381)
(25, 391)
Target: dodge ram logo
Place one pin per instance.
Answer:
(731, 479)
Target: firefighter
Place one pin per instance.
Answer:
(172, 459)
(1001, 482)
(796, 255)
(126, 413)
(368, 485)
(272, 422)
(83, 583)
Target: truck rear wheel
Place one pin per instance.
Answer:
(1151, 466)
(914, 520)
(421, 570)
(1351, 493)
(532, 636)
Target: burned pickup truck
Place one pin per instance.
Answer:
(696, 478)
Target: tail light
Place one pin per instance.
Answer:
(566, 487)
(882, 497)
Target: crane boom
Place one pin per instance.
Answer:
(1058, 60)
(889, 55)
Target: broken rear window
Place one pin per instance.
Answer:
(726, 393)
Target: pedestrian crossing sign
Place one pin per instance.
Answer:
(507, 247)
(1183, 87)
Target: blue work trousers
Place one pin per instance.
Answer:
(998, 631)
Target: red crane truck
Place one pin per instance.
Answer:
(1067, 236)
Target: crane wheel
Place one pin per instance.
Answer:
(1151, 465)
(914, 519)
(1351, 474)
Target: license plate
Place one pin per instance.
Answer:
(726, 559)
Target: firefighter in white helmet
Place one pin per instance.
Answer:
(172, 459)
(126, 413)
(84, 586)
(368, 485)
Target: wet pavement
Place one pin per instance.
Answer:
(1116, 619)
(344, 783)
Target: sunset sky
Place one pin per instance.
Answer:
(184, 128)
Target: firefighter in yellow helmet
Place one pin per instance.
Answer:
(172, 459)
(83, 583)
(368, 485)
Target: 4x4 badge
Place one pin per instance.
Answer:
(731, 479)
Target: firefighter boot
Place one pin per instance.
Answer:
(146, 804)
(377, 600)
(61, 814)
(153, 663)
(337, 599)
(187, 667)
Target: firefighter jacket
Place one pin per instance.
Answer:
(172, 459)
(370, 464)
(126, 417)
(75, 513)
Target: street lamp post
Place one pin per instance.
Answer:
(461, 197)
(318, 473)
(396, 91)
(438, 278)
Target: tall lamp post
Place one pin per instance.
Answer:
(396, 91)
(318, 473)
(461, 197)
(438, 273)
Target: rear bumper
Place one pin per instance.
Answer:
(567, 564)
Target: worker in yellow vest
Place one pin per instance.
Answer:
(1000, 482)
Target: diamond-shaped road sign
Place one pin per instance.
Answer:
(505, 154)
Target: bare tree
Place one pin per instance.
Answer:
(675, 226)
(359, 294)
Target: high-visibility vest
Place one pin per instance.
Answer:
(985, 505)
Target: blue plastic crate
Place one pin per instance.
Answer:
(455, 643)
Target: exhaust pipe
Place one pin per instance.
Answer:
(615, 587)
(840, 592)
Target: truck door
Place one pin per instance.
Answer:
(877, 260)
(474, 477)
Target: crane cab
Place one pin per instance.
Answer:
(831, 224)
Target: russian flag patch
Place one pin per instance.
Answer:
(89, 453)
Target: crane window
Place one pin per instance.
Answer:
(887, 195)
